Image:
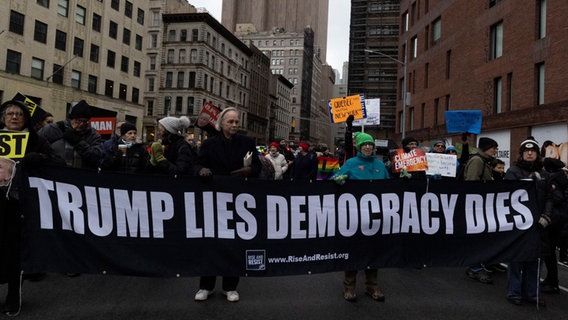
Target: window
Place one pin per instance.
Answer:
(191, 80)
(194, 35)
(78, 47)
(414, 49)
(135, 95)
(16, 22)
(181, 56)
(180, 79)
(436, 30)
(109, 86)
(193, 56)
(37, 68)
(136, 70)
(60, 40)
(169, 78)
(63, 7)
(497, 95)
(140, 16)
(126, 36)
(496, 45)
(170, 57)
(92, 86)
(509, 105)
(128, 9)
(138, 42)
(80, 15)
(96, 22)
(43, 3)
(113, 30)
(122, 91)
(124, 61)
(150, 108)
(155, 19)
(448, 64)
(190, 103)
(94, 56)
(151, 84)
(76, 79)
(541, 18)
(172, 35)
(115, 4)
(540, 84)
(426, 74)
(183, 35)
(111, 56)
(57, 76)
(154, 40)
(40, 32)
(179, 104)
(153, 62)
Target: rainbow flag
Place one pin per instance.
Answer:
(327, 167)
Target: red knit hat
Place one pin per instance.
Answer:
(274, 144)
(304, 146)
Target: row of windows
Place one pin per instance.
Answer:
(80, 12)
(208, 83)
(276, 43)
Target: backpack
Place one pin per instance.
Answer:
(267, 171)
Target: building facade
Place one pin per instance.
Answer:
(505, 59)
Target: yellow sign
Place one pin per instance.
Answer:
(32, 106)
(13, 144)
(341, 108)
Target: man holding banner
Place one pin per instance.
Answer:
(18, 141)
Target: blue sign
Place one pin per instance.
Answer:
(463, 121)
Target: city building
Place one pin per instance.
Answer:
(60, 52)
(498, 56)
(280, 101)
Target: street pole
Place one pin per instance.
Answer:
(404, 101)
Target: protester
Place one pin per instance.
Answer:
(438, 146)
(203, 123)
(364, 166)
(16, 117)
(125, 155)
(479, 168)
(554, 220)
(288, 154)
(523, 276)
(305, 164)
(74, 140)
(498, 170)
(226, 154)
(45, 120)
(173, 155)
(114, 138)
(278, 161)
(409, 144)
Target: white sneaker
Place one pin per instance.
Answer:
(202, 295)
(232, 296)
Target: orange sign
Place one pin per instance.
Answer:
(415, 160)
(341, 108)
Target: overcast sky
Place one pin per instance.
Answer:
(337, 32)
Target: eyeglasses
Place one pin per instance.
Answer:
(439, 146)
(17, 114)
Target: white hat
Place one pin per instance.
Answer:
(175, 125)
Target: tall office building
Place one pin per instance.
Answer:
(292, 15)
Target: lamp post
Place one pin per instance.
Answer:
(403, 63)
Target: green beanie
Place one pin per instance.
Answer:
(364, 138)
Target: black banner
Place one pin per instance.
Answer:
(87, 222)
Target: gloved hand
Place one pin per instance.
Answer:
(340, 179)
(71, 136)
(33, 159)
(242, 172)
(464, 136)
(544, 221)
(156, 153)
(349, 122)
(405, 174)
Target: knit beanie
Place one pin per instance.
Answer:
(125, 127)
(408, 140)
(435, 142)
(304, 146)
(485, 143)
(530, 144)
(175, 125)
(81, 110)
(274, 144)
(363, 138)
(451, 148)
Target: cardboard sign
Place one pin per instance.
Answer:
(373, 118)
(415, 160)
(442, 164)
(103, 125)
(341, 108)
(211, 112)
(13, 144)
(463, 121)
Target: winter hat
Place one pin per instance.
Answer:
(363, 138)
(274, 144)
(81, 110)
(175, 125)
(451, 148)
(222, 115)
(304, 146)
(530, 144)
(485, 143)
(408, 140)
(553, 165)
(438, 142)
(125, 127)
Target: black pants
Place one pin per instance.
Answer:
(208, 283)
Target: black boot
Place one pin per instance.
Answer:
(13, 299)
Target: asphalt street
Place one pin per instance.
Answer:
(428, 293)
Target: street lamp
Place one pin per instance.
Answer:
(404, 94)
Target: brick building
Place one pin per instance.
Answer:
(506, 58)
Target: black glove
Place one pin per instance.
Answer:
(544, 221)
(33, 159)
(71, 136)
(349, 122)
(464, 136)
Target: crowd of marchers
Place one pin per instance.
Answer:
(225, 152)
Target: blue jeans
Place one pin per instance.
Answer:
(523, 280)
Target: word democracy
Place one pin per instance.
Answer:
(229, 215)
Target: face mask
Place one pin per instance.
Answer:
(128, 144)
